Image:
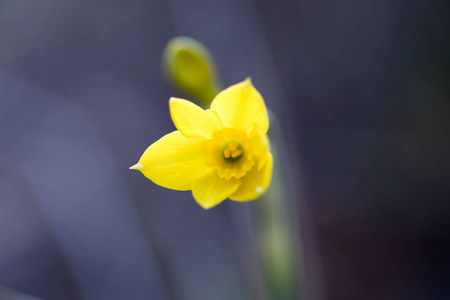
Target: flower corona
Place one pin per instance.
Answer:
(218, 153)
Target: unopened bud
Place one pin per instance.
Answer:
(191, 68)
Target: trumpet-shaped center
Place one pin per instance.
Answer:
(229, 151)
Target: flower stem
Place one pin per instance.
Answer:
(276, 235)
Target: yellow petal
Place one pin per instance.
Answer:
(210, 190)
(260, 145)
(174, 161)
(255, 183)
(192, 121)
(241, 105)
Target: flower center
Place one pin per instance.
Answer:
(229, 152)
(233, 151)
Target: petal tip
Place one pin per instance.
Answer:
(172, 100)
(247, 83)
(136, 167)
(206, 207)
(259, 190)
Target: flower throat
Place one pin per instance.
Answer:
(233, 151)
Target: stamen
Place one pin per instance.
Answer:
(236, 153)
(233, 151)
(232, 146)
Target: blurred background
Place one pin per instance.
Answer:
(363, 92)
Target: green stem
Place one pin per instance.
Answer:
(276, 239)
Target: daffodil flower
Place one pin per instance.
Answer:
(218, 153)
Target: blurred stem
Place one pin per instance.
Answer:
(276, 239)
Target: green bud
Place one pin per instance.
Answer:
(191, 68)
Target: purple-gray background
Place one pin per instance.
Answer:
(362, 88)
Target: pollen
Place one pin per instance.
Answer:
(232, 151)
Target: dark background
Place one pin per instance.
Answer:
(362, 87)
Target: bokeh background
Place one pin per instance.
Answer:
(363, 92)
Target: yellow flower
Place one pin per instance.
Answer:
(218, 153)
